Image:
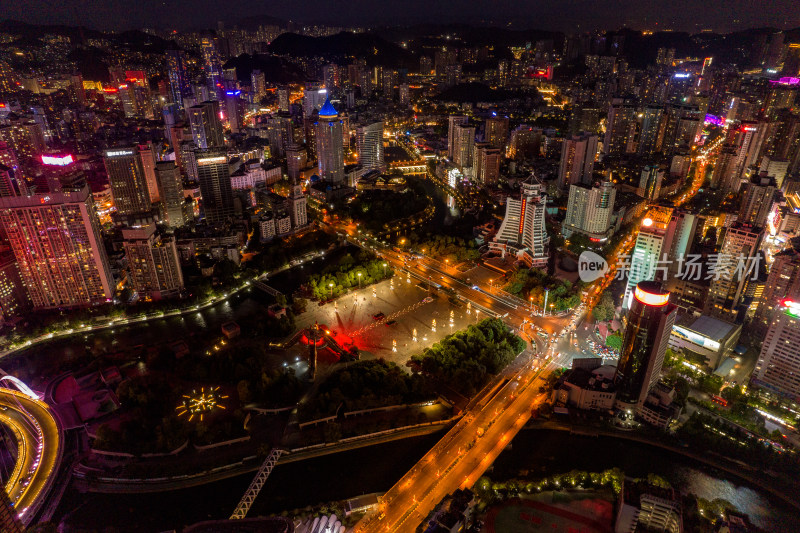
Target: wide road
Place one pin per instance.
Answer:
(38, 450)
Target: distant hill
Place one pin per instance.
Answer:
(253, 22)
(337, 47)
(474, 92)
(275, 69)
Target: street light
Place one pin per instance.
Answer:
(384, 270)
(331, 287)
(359, 280)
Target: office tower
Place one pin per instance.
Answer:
(258, 85)
(170, 190)
(463, 146)
(179, 82)
(7, 156)
(188, 160)
(332, 77)
(758, 196)
(148, 158)
(369, 141)
(577, 160)
(647, 333)
(128, 183)
(682, 124)
(405, 94)
(59, 249)
(234, 110)
(9, 521)
(452, 122)
(495, 132)
(737, 253)
(620, 127)
(215, 185)
(26, 139)
(665, 57)
(314, 98)
(724, 175)
(295, 160)
(425, 65)
(650, 182)
(590, 210)
(452, 74)
(153, 263)
(487, 163)
(390, 78)
(212, 65)
(283, 99)
(280, 134)
(584, 118)
(681, 232)
(647, 252)
(205, 124)
(778, 365)
(297, 206)
(523, 231)
(749, 139)
(782, 282)
(11, 182)
(775, 168)
(330, 150)
(652, 130)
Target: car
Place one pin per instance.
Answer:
(390, 323)
(379, 316)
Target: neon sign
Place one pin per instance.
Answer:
(58, 160)
(119, 153)
(649, 298)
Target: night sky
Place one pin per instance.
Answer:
(565, 15)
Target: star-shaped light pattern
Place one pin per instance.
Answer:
(199, 404)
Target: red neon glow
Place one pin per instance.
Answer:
(2, 105)
(110, 89)
(648, 298)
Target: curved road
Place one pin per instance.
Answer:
(38, 450)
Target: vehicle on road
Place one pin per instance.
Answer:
(379, 316)
(390, 323)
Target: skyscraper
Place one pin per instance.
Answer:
(463, 146)
(452, 122)
(369, 141)
(577, 160)
(258, 85)
(647, 252)
(170, 187)
(330, 150)
(783, 281)
(589, 211)
(758, 196)
(496, 132)
(650, 182)
(179, 82)
(647, 333)
(59, 249)
(487, 163)
(206, 127)
(215, 185)
(153, 263)
(128, 182)
(778, 365)
(523, 231)
(212, 65)
(740, 244)
(652, 130)
(297, 206)
(620, 127)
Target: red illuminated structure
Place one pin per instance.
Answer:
(649, 326)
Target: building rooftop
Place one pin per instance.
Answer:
(327, 110)
(712, 328)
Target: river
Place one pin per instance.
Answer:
(375, 469)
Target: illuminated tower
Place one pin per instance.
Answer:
(589, 211)
(740, 243)
(59, 248)
(487, 163)
(463, 152)
(155, 270)
(369, 139)
(577, 160)
(778, 366)
(523, 231)
(297, 206)
(180, 86)
(128, 181)
(205, 124)
(211, 65)
(170, 187)
(215, 185)
(452, 122)
(647, 333)
(330, 151)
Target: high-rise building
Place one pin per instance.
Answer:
(215, 185)
(179, 82)
(647, 252)
(170, 188)
(26, 139)
(652, 130)
(280, 134)
(782, 282)
(128, 182)
(620, 127)
(148, 157)
(405, 94)
(212, 65)
(452, 122)
(258, 85)
(153, 263)
(577, 160)
(330, 149)
(314, 98)
(204, 121)
(295, 160)
(647, 334)
(523, 231)
(738, 252)
(496, 132)
(14, 299)
(650, 182)
(463, 146)
(778, 365)
(487, 163)
(283, 99)
(11, 182)
(590, 210)
(297, 206)
(758, 197)
(59, 249)
(369, 141)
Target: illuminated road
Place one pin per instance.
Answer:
(38, 450)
